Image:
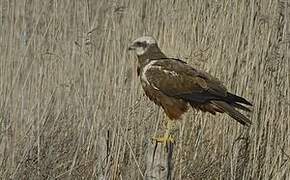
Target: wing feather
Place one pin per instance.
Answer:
(201, 90)
(181, 80)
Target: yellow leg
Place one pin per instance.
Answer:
(167, 138)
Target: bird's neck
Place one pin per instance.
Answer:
(151, 54)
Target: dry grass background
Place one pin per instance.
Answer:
(71, 105)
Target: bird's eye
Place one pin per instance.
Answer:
(140, 44)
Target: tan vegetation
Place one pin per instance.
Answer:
(71, 105)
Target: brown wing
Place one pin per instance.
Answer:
(202, 91)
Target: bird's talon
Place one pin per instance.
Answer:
(164, 140)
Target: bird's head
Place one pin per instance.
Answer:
(142, 44)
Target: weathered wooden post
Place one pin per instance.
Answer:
(159, 164)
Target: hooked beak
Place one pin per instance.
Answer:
(131, 47)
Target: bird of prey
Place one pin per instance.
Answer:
(175, 86)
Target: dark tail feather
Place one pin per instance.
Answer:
(231, 98)
(239, 106)
(232, 112)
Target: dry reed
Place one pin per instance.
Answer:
(71, 105)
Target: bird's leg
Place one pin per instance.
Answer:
(167, 138)
(168, 142)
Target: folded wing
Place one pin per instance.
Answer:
(177, 79)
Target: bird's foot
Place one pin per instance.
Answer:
(166, 139)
